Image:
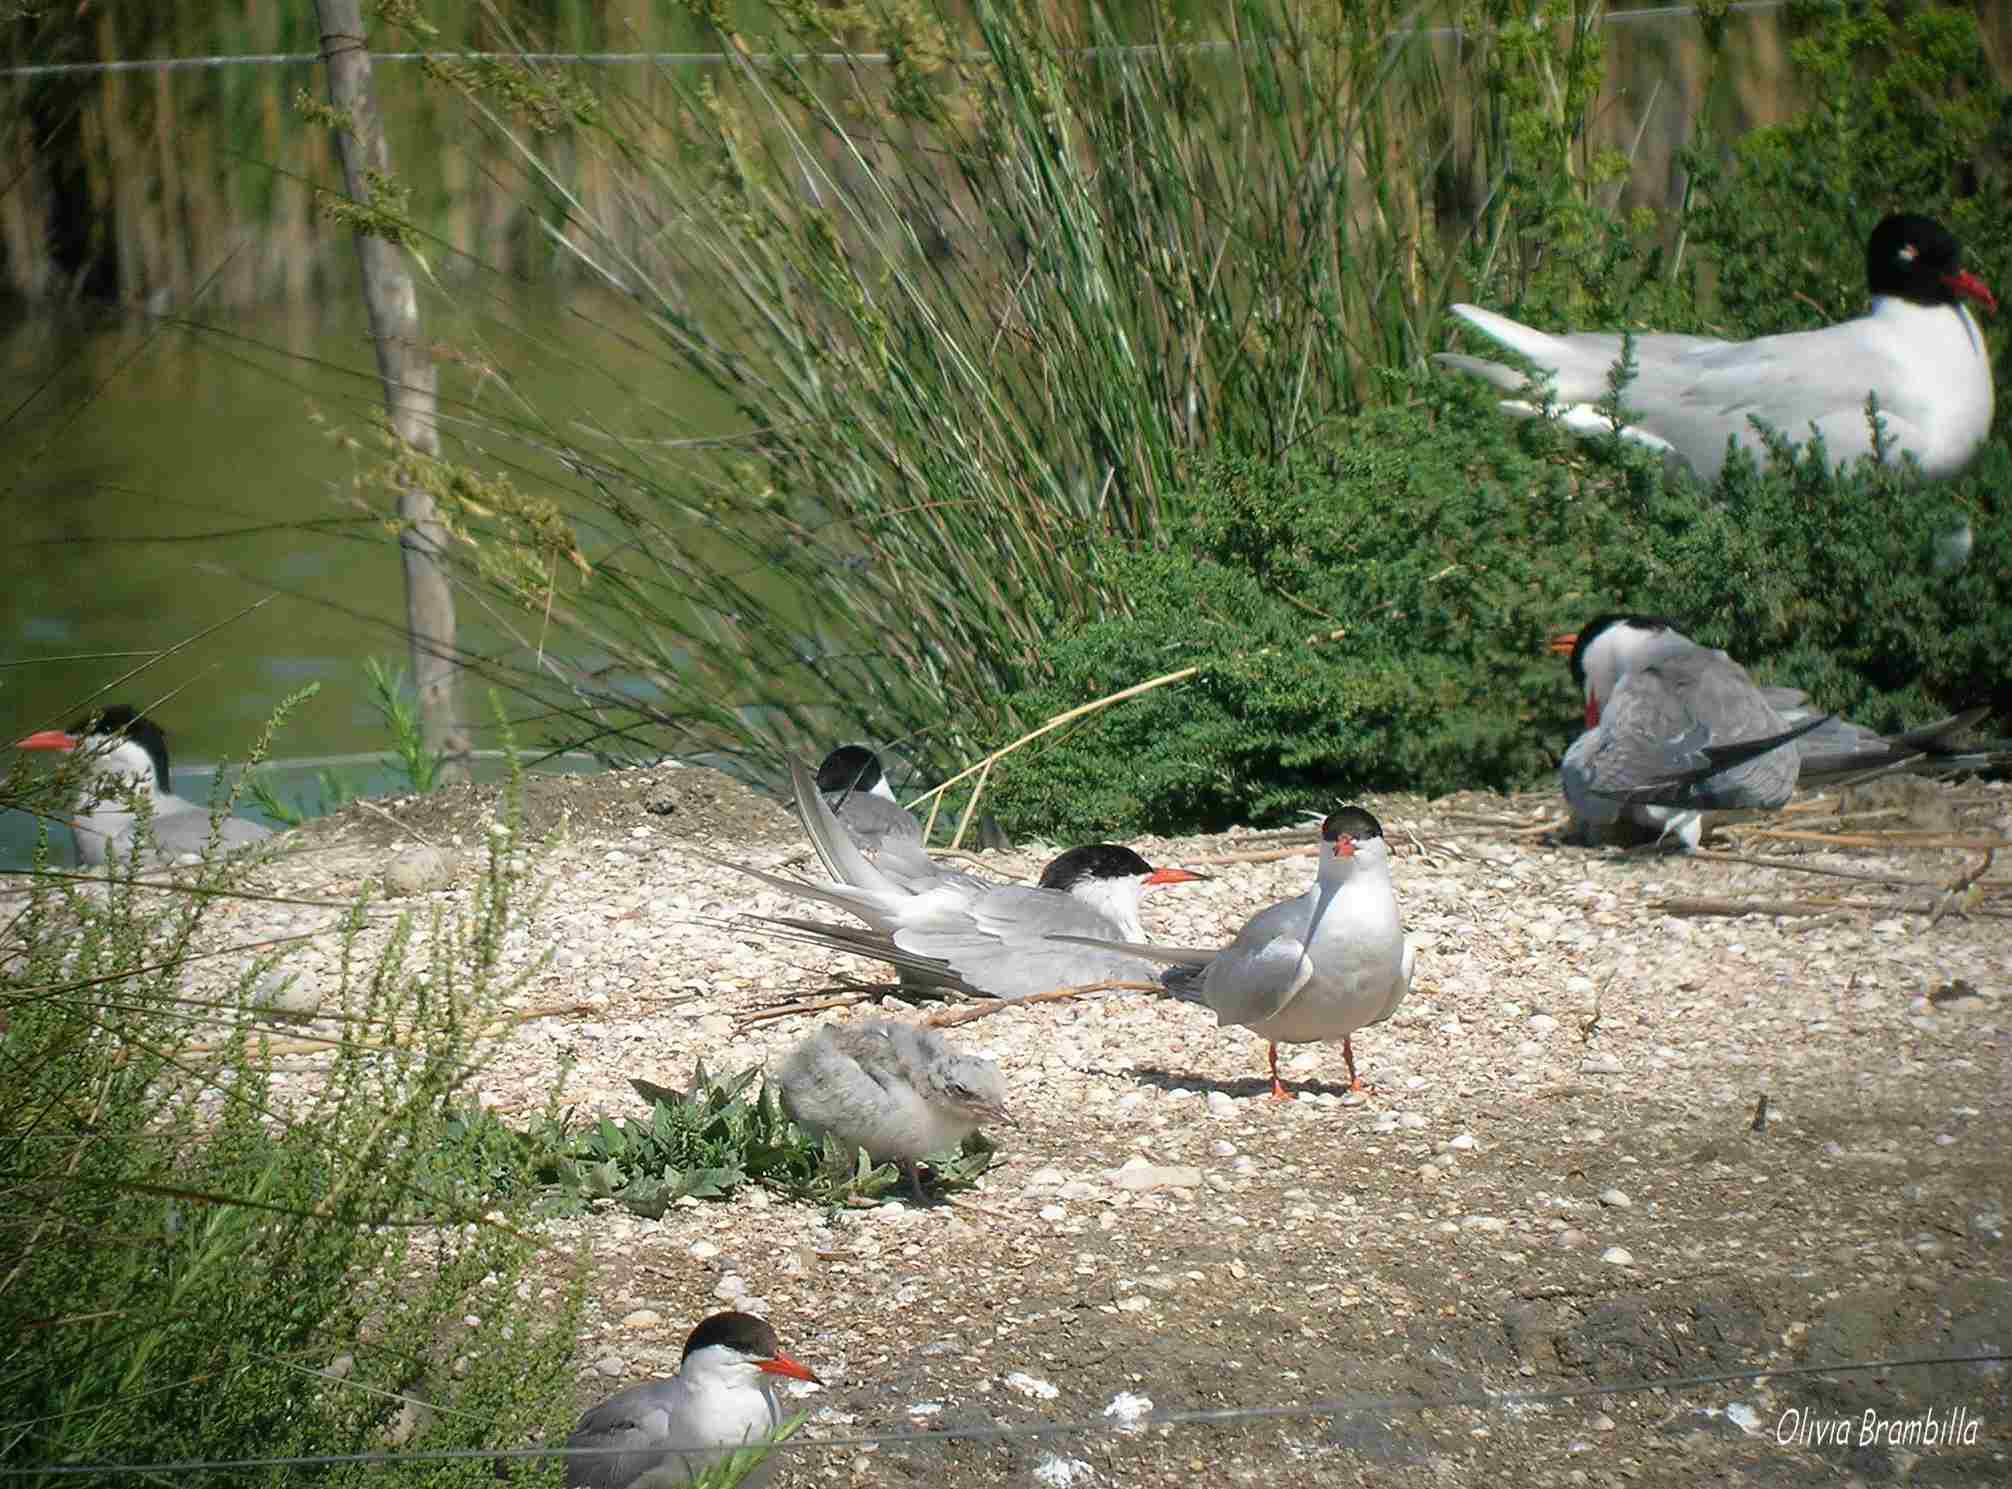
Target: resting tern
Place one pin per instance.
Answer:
(126, 763)
(666, 1432)
(1315, 967)
(953, 929)
(1674, 729)
(1918, 351)
(898, 1090)
(855, 788)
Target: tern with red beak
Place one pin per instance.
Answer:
(1675, 729)
(664, 1433)
(1315, 967)
(944, 927)
(1918, 352)
(125, 758)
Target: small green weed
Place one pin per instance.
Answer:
(706, 1142)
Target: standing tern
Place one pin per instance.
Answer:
(953, 929)
(1315, 967)
(898, 1090)
(667, 1432)
(1917, 351)
(1674, 729)
(125, 765)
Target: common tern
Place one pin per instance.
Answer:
(897, 1090)
(855, 788)
(125, 766)
(1674, 729)
(953, 929)
(1917, 351)
(666, 1432)
(1315, 967)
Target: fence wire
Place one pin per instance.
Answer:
(1225, 1416)
(797, 59)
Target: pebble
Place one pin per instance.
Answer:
(1053, 1212)
(417, 870)
(1618, 1256)
(704, 1251)
(1031, 1385)
(1616, 1199)
(288, 994)
(1222, 1149)
(642, 1318)
(1139, 1176)
(1412, 1122)
(1542, 1023)
(1221, 1104)
(1462, 1143)
(1129, 1411)
(1488, 1225)
(612, 1366)
(1601, 1064)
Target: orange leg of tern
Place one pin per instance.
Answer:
(1278, 1090)
(1355, 1082)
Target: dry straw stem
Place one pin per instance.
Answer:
(952, 1016)
(983, 768)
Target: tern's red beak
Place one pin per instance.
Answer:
(1968, 286)
(1562, 645)
(782, 1364)
(47, 739)
(1172, 876)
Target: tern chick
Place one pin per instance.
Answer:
(897, 1090)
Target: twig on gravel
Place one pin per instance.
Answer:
(1254, 855)
(1817, 905)
(952, 1016)
(421, 838)
(791, 1010)
(1959, 887)
(1704, 855)
(1881, 839)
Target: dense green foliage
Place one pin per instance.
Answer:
(1375, 617)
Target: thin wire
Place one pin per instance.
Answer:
(715, 59)
(1031, 1431)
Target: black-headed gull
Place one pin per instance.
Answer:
(1315, 967)
(1918, 351)
(667, 1432)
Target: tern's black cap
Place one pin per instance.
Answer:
(849, 768)
(1350, 822)
(123, 718)
(1093, 861)
(741, 1332)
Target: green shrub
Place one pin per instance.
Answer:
(1374, 618)
(204, 1262)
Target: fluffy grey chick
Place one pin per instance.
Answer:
(898, 1090)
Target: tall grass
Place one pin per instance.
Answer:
(978, 309)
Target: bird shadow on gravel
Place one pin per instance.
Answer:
(1244, 1088)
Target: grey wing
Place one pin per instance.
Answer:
(1001, 943)
(1261, 971)
(874, 822)
(633, 1429)
(178, 833)
(1692, 731)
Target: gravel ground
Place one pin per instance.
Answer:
(1559, 1181)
